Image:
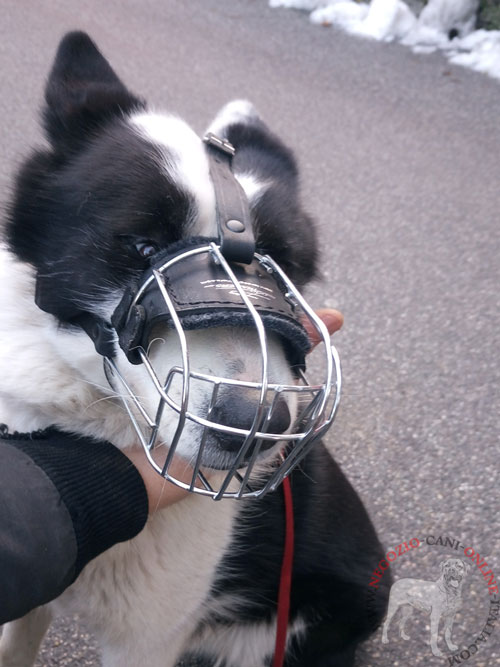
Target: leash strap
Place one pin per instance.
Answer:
(285, 578)
(233, 214)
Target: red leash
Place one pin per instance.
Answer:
(285, 578)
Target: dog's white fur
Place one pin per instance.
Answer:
(141, 598)
(184, 159)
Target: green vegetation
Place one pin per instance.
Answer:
(489, 15)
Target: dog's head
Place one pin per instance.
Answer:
(453, 571)
(120, 183)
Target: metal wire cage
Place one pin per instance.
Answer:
(244, 479)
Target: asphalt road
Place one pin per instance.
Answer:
(400, 157)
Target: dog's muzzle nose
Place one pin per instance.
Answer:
(238, 411)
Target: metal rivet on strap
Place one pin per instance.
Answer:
(235, 226)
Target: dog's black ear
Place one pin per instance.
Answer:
(82, 93)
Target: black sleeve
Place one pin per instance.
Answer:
(63, 501)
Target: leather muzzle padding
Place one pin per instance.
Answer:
(204, 296)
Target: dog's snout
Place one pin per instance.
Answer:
(239, 411)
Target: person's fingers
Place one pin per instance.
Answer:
(333, 320)
(161, 493)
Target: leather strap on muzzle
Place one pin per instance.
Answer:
(204, 296)
(234, 222)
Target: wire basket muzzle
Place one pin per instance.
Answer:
(197, 288)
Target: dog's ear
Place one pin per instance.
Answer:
(82, 93)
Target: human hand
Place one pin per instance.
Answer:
(333, 319)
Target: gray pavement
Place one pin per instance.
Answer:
(400, 157)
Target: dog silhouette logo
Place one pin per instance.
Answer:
(441, 599)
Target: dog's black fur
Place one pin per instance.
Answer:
(82, 205)
(336, 550)
(96, 170)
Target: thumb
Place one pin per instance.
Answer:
(333, 320)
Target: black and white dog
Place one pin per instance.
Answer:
(199, 585)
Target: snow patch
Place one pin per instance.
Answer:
(479, 51)
(345, 14)
(297, 4)
(447, 25)
(446, 15)
(388, 20)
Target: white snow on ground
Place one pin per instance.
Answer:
(389, 20)
(346, 14)
(296, 4)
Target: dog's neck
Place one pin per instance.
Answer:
(49, 376)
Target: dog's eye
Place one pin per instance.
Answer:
(146, 248)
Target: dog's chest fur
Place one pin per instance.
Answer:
(152, 587)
